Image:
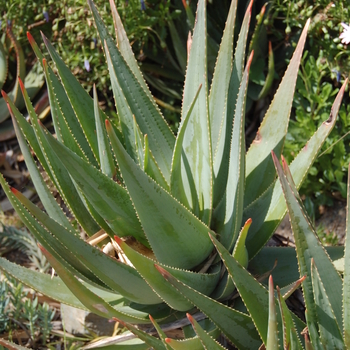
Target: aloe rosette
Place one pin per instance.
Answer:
(171, 206)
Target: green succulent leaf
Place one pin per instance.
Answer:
(117, 276)
(221, 79)
(176, 236)
(228, 214)
(142, 105)
(79, 99)
(290, 337)
(272, 329)
(104, 149)
(176, 182)
(196, 164)
(237, 326)
(88, 298)
(62, 108)
(61, 177)
(110, 199)
(260, 171)
(309, 247)
(46, 197)
(330, 333)
(152, 341)
(204, 283)
(208, 342)
(269, 209)
(251, 291)
(221, 139)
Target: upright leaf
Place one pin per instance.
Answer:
(260, 171)
(176, 236)
(142, 105)
(308, 247)
(222, 120)
(196, 165)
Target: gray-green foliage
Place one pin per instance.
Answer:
(173, 207)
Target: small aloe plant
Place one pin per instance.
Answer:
(172, 207)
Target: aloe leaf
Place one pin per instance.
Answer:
(62, 179)
(125, 113)
(176, 236)
(270, 74)
(330, 334)
(191, 343)
(79, 99)
(114, 274)
(286, 270)
(110, 199)
(151, 167)
(122, 43)
(290, 338)
(104, 149)
(141, 103)
(272, 329)
(208, 342)
(161, 334)
(63, 132)
(46, 197)
(236, 326)
(308, 246)
(221, 79)
(152, 341)
(43, 283)
(229, 212)
(176, 181)
(260, 172)
(54, 288)
(269, 209)
(28, 132)
(88, 298)
(204, 283)
(59, 100)
(251, 291)
(44, 237)
(240, 252)
(222, 149)
(196, 165)
(346, 282)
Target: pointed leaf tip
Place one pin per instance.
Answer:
(108, 124)
(14, 191)
(151, 318)
(118, 239)
(21, 84)
(190, 318)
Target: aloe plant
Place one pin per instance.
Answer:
(172, 207)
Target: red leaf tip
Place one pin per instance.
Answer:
(190, 318)
(13, 190)
(118, 239)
